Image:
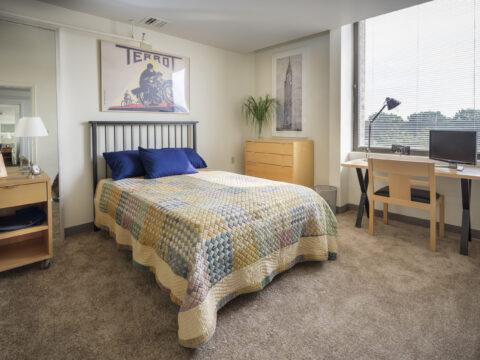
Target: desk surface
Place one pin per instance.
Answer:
(467, 173)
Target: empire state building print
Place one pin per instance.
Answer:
(289, 93)
(287, 101)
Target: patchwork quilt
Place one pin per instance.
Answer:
(211, 236)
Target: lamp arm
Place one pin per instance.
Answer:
(370, 125)
(378, 113)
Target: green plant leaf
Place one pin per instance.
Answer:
(259, 112)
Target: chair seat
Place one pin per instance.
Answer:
(418, 195)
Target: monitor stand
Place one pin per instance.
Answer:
(452, 165)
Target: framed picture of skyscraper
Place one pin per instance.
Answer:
(288, 84)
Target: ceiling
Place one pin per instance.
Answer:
(240, 25)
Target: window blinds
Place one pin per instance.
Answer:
(427, 57)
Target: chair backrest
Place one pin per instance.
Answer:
(399, 176)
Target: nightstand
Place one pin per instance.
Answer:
(31, 244)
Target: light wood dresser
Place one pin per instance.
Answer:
(31, 244)
(281, 160)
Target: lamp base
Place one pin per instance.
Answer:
(25, 170)
(25, 165)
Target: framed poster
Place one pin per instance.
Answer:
(288, 88)
(135, 79)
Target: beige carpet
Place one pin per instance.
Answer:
(386, 297)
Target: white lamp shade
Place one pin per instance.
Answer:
(30, 127)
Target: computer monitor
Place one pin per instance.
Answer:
(454, 147)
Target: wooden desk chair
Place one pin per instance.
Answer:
(400, 192)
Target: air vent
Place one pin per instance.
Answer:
(152, 22)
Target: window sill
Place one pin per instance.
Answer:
(383, 155)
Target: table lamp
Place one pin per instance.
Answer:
(30, 127)
(389, 103)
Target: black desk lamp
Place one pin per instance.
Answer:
(390, 103)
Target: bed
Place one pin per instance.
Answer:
(211, 236)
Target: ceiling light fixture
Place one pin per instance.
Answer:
(143, 44)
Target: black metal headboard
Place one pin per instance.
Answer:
(128, 135)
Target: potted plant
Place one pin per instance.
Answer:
(259, 111)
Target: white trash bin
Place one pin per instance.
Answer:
(329, 193)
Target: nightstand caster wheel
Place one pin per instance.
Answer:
(45, 264)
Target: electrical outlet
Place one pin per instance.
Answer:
(233, 160)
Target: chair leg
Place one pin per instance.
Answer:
(372, 217)
(433, 229)
(385, 213)
(442, 216)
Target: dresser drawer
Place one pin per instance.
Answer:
(22, 194)
(270, 147)
(274, 159)
(272, 172)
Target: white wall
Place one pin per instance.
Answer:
(316, 92)
(219, 80)
(328, 100)
(27, 58)
(341, 108)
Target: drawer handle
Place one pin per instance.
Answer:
(11, 186)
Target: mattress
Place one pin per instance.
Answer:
(211, 236)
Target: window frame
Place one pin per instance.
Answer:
(356, 101)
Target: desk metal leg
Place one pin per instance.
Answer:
(466, 223)
(364, 204)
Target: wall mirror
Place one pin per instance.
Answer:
(28, 88)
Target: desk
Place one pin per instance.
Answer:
(466, 176)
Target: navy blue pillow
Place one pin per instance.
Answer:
(165, 162)
(195, 159)
(124, 164)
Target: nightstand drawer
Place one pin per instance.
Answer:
(16, 195)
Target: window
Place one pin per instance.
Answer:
(427, 57)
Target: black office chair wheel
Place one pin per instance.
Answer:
(45, 264)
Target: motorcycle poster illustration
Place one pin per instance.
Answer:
(135, 79)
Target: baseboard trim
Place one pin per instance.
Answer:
(414, 220)
(344, 208)
(78, 229)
